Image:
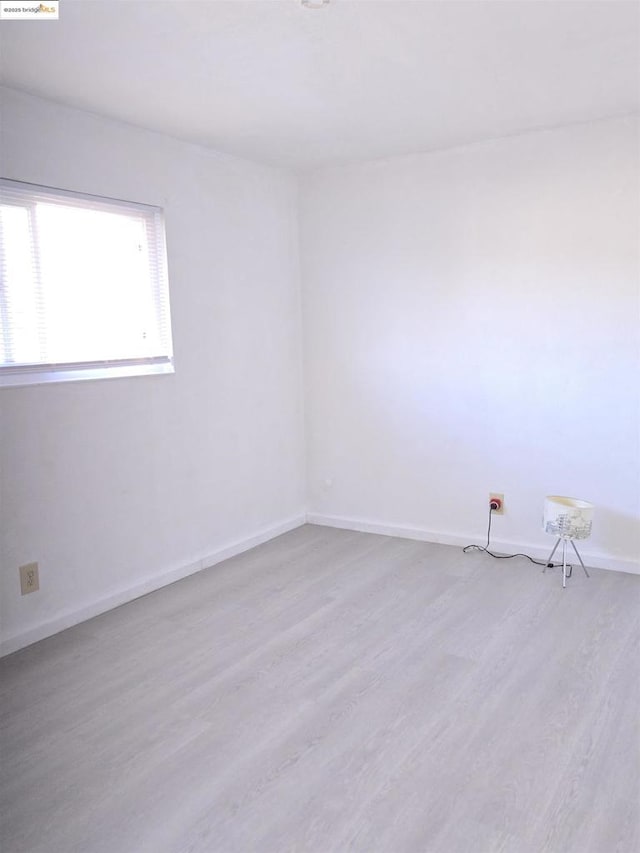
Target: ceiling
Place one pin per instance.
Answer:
(358, 79)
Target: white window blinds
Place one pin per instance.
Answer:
(83, 291)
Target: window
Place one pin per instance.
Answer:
(83, 289)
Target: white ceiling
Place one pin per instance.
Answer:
(358, 79)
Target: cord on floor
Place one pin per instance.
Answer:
(486, 550)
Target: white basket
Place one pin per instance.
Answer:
(567, 517)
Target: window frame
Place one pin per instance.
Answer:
(38, 373)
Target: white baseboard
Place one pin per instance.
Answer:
(591, 559)
(150, 584)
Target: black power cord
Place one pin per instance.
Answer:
(486, 550)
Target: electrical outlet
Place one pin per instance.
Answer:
(496, 498)
(29, 578)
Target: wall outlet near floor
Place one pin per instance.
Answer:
(29, 578)
(496, 498)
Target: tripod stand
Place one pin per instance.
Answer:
(564, 541)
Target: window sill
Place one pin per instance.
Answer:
(19, 376)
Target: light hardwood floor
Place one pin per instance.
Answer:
(333, 691)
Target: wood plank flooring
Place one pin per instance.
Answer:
(333, 691)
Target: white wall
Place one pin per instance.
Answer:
(117, 486)
(471, 324)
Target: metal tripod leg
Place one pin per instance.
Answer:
(555, 548)
(564, 559)
(580, 558)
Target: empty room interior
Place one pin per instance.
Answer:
(320, 426)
